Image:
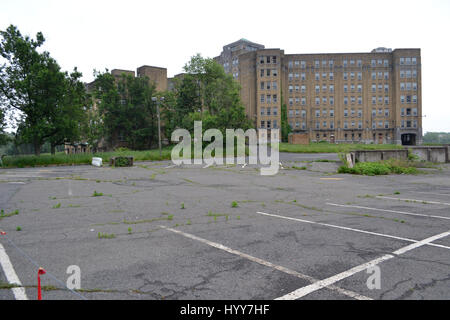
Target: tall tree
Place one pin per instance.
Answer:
(127, 110)
(207, 93)
(32, 84)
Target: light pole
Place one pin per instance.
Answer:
(154, 99)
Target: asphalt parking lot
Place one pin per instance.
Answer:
(155, 231)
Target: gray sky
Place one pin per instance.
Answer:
(99, 34)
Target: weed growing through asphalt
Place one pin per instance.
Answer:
(102, 235)
(97, 194)
(189, 222)
(397, 192)
(130, 230)
(4, 215)
(234, 204)
(19, 229)
(170, 217)
(182, 206)
(57, 206)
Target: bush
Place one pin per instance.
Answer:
(380, 168)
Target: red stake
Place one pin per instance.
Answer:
(40, 271)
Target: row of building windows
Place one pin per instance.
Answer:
(347, 100)
(353, 113)
(269, 111)
(268, 59)
(345, 75)
(408, 86)
(408, 74)
(408, 99)
(375, 125)
(269, 124)
(345, 63)
(325, 88)
(268, 72)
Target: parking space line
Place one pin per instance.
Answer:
(266, 263)
(385, 210)
(351, 229)
(299, 293)
(11, 276)
(414, 200)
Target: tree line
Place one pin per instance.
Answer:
(50, 106)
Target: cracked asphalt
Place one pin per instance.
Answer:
(60, 222)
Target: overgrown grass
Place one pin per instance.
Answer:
(61, 158)
(334, 148)
(381, 168)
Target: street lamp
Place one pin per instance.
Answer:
(154, 99)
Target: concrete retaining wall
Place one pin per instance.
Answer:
(378, 155)
(432, 154)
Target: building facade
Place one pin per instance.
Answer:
(372, 97)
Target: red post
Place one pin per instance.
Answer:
(40, 271)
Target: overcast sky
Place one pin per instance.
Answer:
(99, 34)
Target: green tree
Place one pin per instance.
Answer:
(3, 136)
(33, 85)
(208, 94)
(127, 110)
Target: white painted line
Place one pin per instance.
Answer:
(11, 276)
(343, 275)
(385, 210)
(352, 229)
(266, 263)
(172, 166)
(414, 200)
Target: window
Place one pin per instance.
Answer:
(414, 99)
(317, 63)
(402, 74)
(345, 88)
(324, 63)
(275, 124)
(346, 100)
(262, 73)
(345, 124)
(303, 64)
(331, 88)
(408, 61)
(414, 61)
(345, 75)
(303, 76)
(317, 76)
(268, 72)
(402, 61)
(324, 113)
(386, 112)
(262, 98)
(303, 101)
(331, 101)
(352, 75)
(317, 101)
(317, 89)
(274, 59)
(374, 75)
(360, 113)
(360, 124)
(415, 123)
(331, 113)
(374, 126)
(275, 111)
(268, 59)
(352, 87)
(324, 100)
(331, 63)
(291, 88)
(275, 98)
(359, 75)
(345, 63)
(331, 125)
(386, 100)
(291, 101)
(303, 89)
(374, 88)
(414, 85)
(290, 76)
(297, 88)
(386, 75)
(269, 124)
(296, 63)
(374, 112)
(359, 63)
(304, 125)
(386, 63)
(262, 111)
(263, 124)
(317, 125)
(297, 101)
(380, 75)
(261, 59)
(331, 75)
(374, 100)
(352, 112)
(269, 98)
(373, 63)
(297, 112)
(274, 72)
(380, 99)
(386, 124)
(360, 100)
(274, 85)
(303, 113)
(345, 112)
(290, 64)
(291, 113)
(262, 85)
(414, 111)
(386, 88)
(324, 88)
(268, 111)
(352, 63)
(408, 111)
(352, 99)
(297, 75)
(268, 85)
(402, 111)
(324, 124)
(359, 87)
(402, 86)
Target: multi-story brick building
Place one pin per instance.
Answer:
(372, 97)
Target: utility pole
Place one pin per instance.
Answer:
(154, 99)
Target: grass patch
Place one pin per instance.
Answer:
(57, 206)
(381, 168)
(5, 215)
(334, 148)
(97, 194)
(102, 235)
(234, 204)
(298, 168)
(18, 228)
